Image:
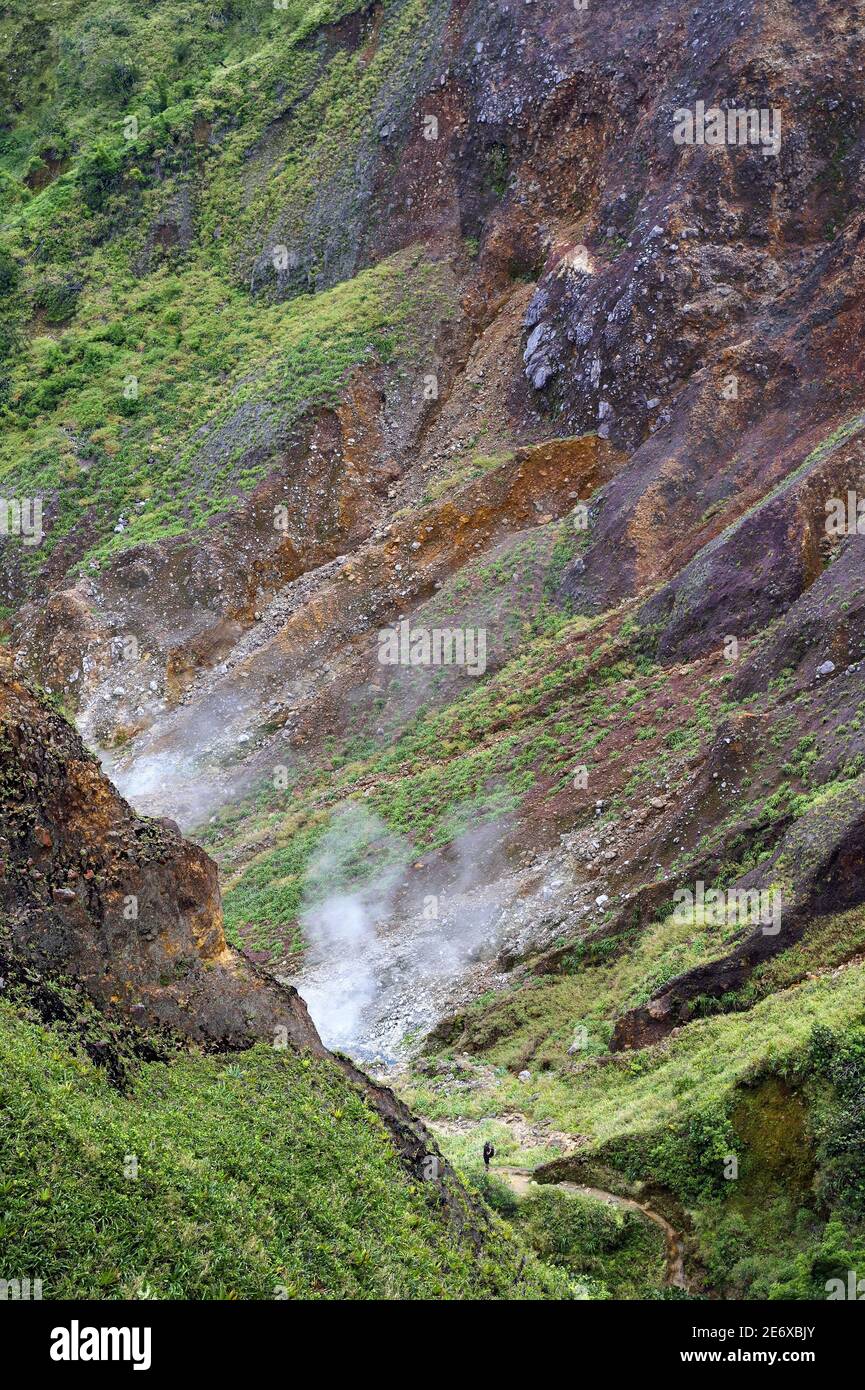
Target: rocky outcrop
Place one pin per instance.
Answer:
(698, 305)
(123, 906)
(669, 333)
(126, 913)
(820, 863)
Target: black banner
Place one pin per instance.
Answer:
(85, 1339)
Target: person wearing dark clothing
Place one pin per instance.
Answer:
(489, 1152)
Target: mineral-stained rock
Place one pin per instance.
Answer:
(126, 911)
(143, 923)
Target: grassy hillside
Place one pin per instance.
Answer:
(574, 692)
(160, 335)
(259, 1175)
(780, 1088)
(226, 226)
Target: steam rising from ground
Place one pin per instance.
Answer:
(187, 766)
(388, 943)
(342, 926)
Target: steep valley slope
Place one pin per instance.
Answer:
(172, 1126)
(328, 323)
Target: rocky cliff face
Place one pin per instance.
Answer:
(664, 332)
(655, 267)
(123, 906)
(126, 913)
(449, 316)
(695, 304)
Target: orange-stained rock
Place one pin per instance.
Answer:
(124, 907)
(127, 911)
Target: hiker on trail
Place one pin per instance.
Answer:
(489, 1152)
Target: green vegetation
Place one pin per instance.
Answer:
(259, 1175)
(616, 1249)
(780, 1088)
(155, 361)
(248, 371)
(187, 192)
(567, 688)
(609, 1251)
